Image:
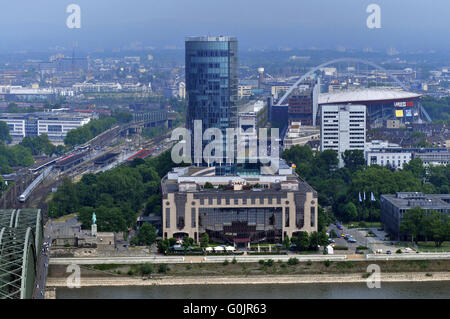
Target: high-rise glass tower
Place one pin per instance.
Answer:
(212, 82)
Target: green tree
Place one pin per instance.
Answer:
(412, 222)
(354, 159)
(350, 212)
(4, 132)
(286, 243)
(208, 185)
(302, 241)
(204, 241)
(146, 234)
(415, 166)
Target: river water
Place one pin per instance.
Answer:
(388, 290)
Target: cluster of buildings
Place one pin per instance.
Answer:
(240, 203)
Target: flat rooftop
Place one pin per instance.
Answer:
(407, 200)
(364, 95)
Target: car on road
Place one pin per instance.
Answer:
(331, 240)
(351, 240)
(388, 252)
(347, 236)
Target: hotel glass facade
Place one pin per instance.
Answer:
(212, 82)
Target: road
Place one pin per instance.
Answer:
(42, 265)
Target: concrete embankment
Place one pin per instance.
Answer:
(250, 280)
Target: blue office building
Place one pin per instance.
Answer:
(212, 84)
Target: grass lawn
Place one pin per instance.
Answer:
(363, 225)
(429, 246)
(65, 218)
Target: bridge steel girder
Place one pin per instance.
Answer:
(17, 263)
(21, 236)
(31, 218)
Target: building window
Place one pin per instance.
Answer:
(167, 217)
(313, 216)
(194, 218)
(286, 217)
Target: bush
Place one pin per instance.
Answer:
(234, 261)
(399, 251)
(146, 269)
(163, 268)
(362, 248)
(225, 262)
(130, 273)
(293, 261)
(261, 261)
(188, 267)
(327, 263)
(283, 266)
(340, 248)
(309, 262)
(269, 262)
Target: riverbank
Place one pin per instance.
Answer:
(249, 280)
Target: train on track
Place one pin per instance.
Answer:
(34, 184)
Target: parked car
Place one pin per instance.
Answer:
(331, 240)
(388, 252)
(347, 236)
(351, 240)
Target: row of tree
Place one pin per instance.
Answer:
(417, 224)
(89, 131)
(339, 188)
(303, 241)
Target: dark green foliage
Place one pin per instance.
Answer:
(163, 268)
(208, 185)
(204, 241)
(4, 132)
(339, 188)
(147, 269)
(117, 196)
(293, 261)
(13, 156)
(41, 145)
(417, 223)
(85, 133)
(146, 235)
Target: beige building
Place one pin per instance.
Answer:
(239, 208)
(298, 134)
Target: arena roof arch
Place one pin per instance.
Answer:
(354, 60)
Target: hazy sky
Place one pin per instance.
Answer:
(405, 24)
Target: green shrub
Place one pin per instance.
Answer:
(130, 273)
(340, 248)
(261, 261)
(283, 265)
(188, 267)
(309, 262)
(163, 268)
(327, 263)
(234, 261)
(146, 269)
(366, 275)
(428, 275)
(362, 248)
(293, 261)
(399, 251)
(269, 262)
(225, 262)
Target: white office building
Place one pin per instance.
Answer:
(55, 125)
(343, 128)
